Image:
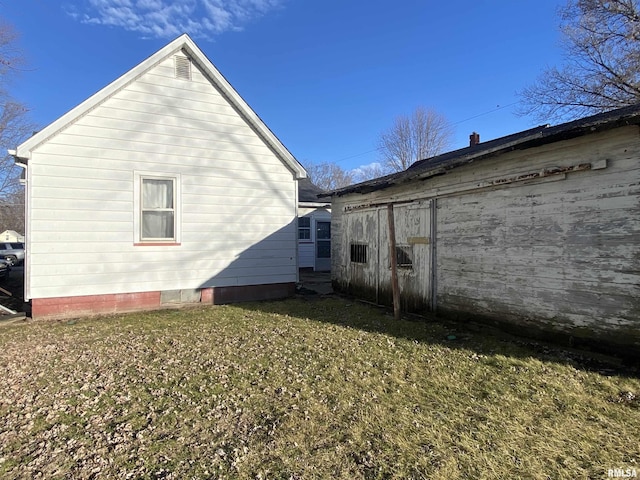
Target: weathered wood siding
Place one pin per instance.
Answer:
(369, 227)
(361, 227)
(560, 253)
(238, 200)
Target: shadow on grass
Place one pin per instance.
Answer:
(478, 338)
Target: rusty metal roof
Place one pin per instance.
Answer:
(534, 137)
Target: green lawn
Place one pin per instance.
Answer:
(303, 389)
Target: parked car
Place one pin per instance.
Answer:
(5, 268)
(12, 252)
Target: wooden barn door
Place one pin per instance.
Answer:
(361, 253)
(368, 261)
(413, 254)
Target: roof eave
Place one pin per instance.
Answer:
(183, 42)
(539, 136)
(315, 204)
(24, 150)
(244, 109)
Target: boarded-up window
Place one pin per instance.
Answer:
(404, 256)
(358, 253)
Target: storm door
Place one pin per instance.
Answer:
(323, 246)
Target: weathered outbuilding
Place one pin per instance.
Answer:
(164, 187)
(537, 232)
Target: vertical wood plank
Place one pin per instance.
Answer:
(433, 264)
(394, 267)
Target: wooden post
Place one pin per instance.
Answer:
(394, 263)
(433, 256)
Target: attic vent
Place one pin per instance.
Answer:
(183, 67)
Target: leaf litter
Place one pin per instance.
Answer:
(298, 389)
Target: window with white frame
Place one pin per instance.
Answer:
(157, 206)
(304, 228)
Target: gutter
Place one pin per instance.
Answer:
(315, 204)
(20, 162)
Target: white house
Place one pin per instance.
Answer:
(163, 187)
(11, 236)
(537, 232)
(314, 228)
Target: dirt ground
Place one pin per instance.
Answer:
(316, 282)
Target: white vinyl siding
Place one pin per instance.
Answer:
(84, 199)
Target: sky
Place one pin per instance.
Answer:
(326, 76)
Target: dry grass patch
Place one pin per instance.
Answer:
(297, 389)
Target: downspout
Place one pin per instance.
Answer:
(295, 227)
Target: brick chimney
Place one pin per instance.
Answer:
(474, 139)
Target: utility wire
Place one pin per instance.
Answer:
(486, 113)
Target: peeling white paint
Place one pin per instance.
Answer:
(509, 243)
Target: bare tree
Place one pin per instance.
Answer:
(11, 58)
(14, 128)
(601, 43)
(423, 134)
(329, 176)
(12, 211)
(368, 172)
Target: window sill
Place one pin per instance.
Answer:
(157, 244)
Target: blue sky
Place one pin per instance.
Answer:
(327, 76)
